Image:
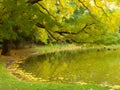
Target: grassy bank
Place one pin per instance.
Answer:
(10, 82)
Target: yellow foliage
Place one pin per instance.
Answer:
(42, 35)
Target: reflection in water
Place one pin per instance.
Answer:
(68, 67)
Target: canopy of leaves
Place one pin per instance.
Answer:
(73, 20)
(17, 18)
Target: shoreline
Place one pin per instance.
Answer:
(29, 77)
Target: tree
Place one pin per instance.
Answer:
(80, 21)
(76, 21)
(17, 20)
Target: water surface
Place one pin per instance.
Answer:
(101, 67)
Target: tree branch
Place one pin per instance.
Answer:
(66, 32)
(100, 7)
(33, 1)
(46, 10)
(40, 25)
(51, 35)
(88, 10)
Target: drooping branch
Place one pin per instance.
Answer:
(88, 10)
(81, 30)
(46, 10)
(100, 7)
(33, 1)
(63, 33)
(40, 25)
(49, 32)
(41, 11)
(85, 7)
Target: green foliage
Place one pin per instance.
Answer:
(18, 19)
(109, 38)
(42, 36)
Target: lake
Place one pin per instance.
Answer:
(93, 66)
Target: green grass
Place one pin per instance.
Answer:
(10, 82)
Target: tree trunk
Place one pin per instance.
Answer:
(6, 48)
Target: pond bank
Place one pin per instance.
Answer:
(17, 55)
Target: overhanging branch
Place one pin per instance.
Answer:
(45, 10)
(81, 30)
(40, 25)
(33, 1)
(88, 10)
(49, 33)
(100, 7)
